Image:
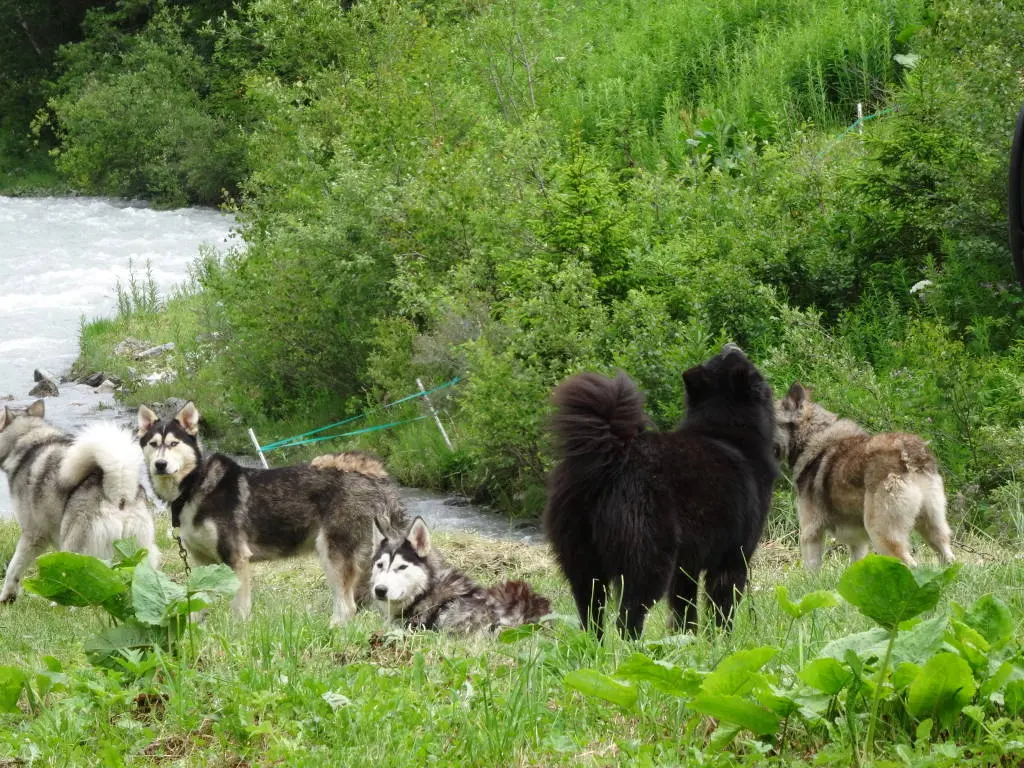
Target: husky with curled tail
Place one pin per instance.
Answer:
(414, 586)
(647, 512)
(77, 494)
(867, 489)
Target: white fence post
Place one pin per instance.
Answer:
(255, 442)
(433, 413)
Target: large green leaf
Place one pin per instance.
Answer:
(809, 603)
(885, 590)
(216, 579)
(153, 593)
(827, 675)
(737, 673)
(12, 680)
(662, 675)
(733, 709)
(941, 689)
(105, 648)
(915, 645)
(991, 617)
(72, 579)
(593, 683)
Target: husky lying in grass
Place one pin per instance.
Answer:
(865, 488)
(414, 586)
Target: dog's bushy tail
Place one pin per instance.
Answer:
(516, 603)
(111, 450)
(596, 420)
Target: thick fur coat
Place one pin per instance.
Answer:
(73, 493)
(866, 489)
(415, 587)
(648, 512)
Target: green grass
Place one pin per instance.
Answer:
(284, 689)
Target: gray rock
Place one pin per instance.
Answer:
(155, 351)
(130, 347)
(106, 387)
(93, 379)
(44, 388)
(41, 373)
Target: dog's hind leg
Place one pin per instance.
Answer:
(140, 527)
(725, 585)
(931, 523)
(25, 553)
(590, 595)
(682, 600)
(889, 515)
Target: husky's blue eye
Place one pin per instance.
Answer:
(401, 567)
(172, 443)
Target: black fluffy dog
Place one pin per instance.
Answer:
(648, 512)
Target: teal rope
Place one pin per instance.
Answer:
(853, 125)
(348, 434)
(288, 441)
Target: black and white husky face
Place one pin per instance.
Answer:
(171, 448)
(400, 573)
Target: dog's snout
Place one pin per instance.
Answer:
(160, 465)
(380, 592)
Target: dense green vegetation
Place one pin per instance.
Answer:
(805, 672)
(512, 191)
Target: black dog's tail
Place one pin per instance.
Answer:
(596, 420)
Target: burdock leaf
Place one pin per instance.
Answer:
(153, 593)
(885, 590)
(12, 680)
(941, 689)
(734, 709)
(217, 579)
(662, 675)
(72, 579)
(593, 683)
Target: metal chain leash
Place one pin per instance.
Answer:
(184, 557)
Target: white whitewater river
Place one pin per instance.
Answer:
(60, 261)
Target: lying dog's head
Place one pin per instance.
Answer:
(171, 448)
(401, 570)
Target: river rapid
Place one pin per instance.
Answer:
(61, 259)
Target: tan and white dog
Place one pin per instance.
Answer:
(866, 489)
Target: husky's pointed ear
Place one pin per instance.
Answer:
(188, 417)
(795, 398)
(37, 409)
(378, 535)
(419, 537)
(147, 418)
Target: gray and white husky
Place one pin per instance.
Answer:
(232, 514)
(867, 489)
(78, 494)
(414, 586)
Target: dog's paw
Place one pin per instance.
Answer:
(9, 598)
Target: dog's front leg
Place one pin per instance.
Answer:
(812, 531)
(242, 604)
